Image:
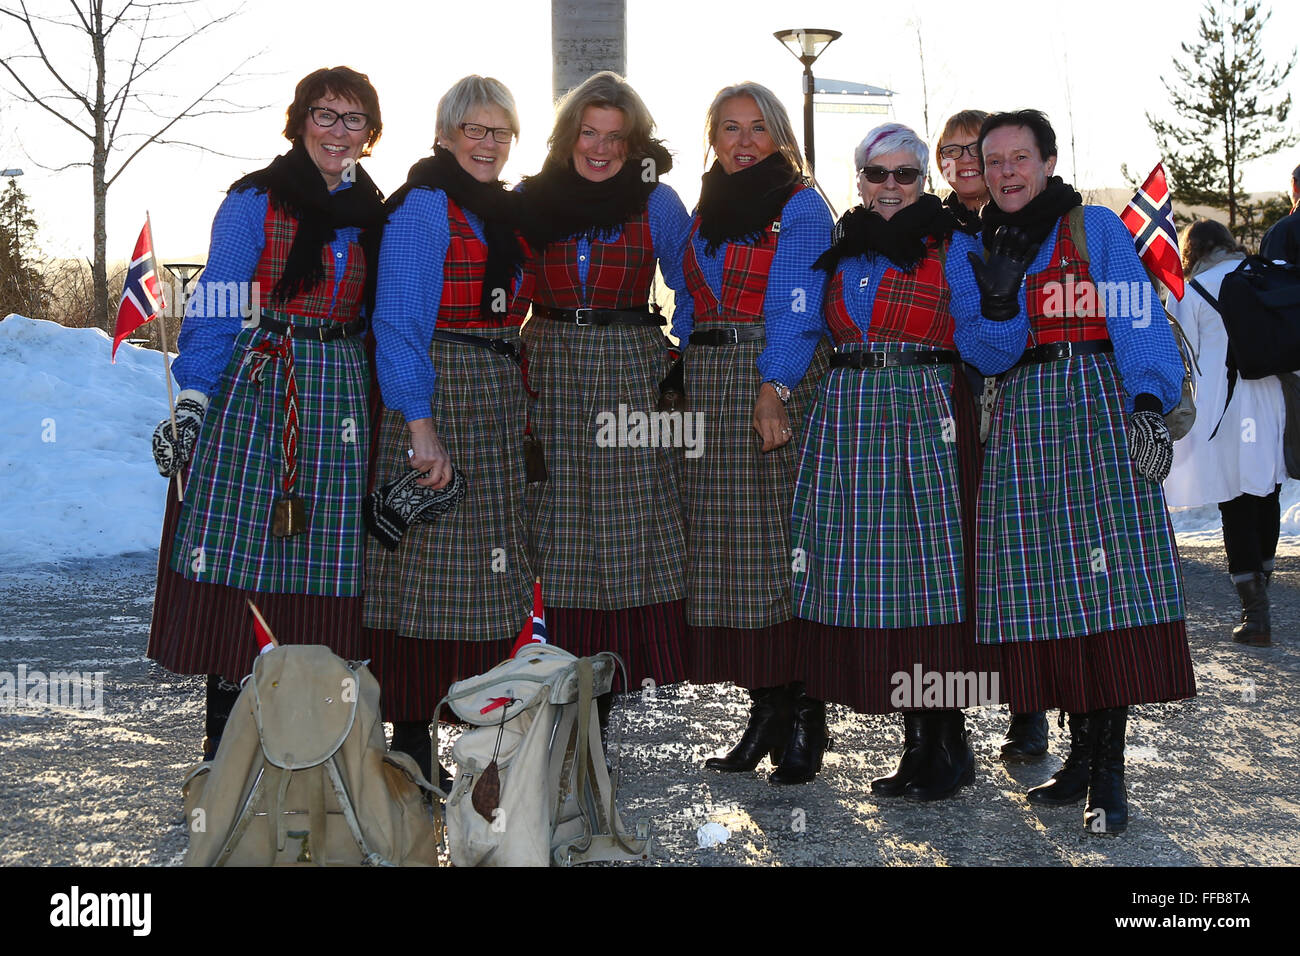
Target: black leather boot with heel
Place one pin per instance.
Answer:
(951, 763)
(1070, 783)
(1107, 810)
(770, 720)
(917, 741)
(808, 742)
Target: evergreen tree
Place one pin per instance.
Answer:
(1221, 100)
(22, 287)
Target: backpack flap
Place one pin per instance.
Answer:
(521, 679)
(1260, 304)
(304, 702)
(566, 691)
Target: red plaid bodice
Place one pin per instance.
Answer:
(462, 280)
(315, 300)
(745, 270)
(1062, 300)
(910, 307)
(618, 276)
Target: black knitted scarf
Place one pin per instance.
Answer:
(1039, 216)
(900, 239)
(739, 207)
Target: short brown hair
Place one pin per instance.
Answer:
(966, 119)
(342, 82)
(609, 90)
(1203, 237)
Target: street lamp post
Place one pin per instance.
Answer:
(807, 45)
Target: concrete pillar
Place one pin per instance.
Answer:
(587, 36)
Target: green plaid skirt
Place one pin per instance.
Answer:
(465, 576)
(224, 534)
(877, 531)
(738, 499)
(606, 529)
(1072, 539)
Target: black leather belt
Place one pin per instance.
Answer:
(1055, 351)
(728, 335)
(891, 359)
(319, 333)
(599, 317)
(504, 347)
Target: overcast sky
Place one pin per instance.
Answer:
(1093, 66)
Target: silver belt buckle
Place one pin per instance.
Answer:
(577, 316)
(732, 335)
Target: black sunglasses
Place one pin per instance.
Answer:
(903, 175)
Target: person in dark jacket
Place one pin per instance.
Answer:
(1282, 241)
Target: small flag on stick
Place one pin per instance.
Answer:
(534, 629)
(142, 295)
(1149, 216)
(262, 631)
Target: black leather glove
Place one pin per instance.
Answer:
(1000, 278)
(1149, 444)
(172, 451)
(672, 390)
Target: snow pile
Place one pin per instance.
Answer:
(1204, 526)
(76, 468)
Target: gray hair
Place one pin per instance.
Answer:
(467, 93)
(774, 117)
(891, 138)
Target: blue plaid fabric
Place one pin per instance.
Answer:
(792, 305)
(407, 298)
(238, 234)
(1144, 348)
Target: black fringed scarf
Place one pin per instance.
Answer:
(739, 207)
(900, 239)
(295, 186)
(1039, 216)
(498, 207)
(968, 220)
(560, 203)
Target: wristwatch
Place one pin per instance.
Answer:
(782, 391)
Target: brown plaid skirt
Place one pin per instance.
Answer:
(465, 576)
(606, 530)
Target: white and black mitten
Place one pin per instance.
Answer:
(392, 508)
(173, 450)
(1149, 444)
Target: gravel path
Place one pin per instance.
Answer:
(1211, 781)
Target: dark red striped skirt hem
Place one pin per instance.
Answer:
(875, 670)
(1141, 665)
(651, 638)
(749, 657)
(415, 674)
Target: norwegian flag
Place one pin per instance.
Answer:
(534, 629)
(142, 297)
(1150, 217)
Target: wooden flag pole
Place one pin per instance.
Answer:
(167, 361)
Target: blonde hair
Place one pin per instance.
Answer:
(604, 89)
(467, 93)
(774, 117)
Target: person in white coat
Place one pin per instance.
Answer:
(1233, 455)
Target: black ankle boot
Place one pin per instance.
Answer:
(808, 743)
(1070, 783)
(412, 737)
(221, 697)
(1255, 628)
(918, 738)
(768, 730)
(1107, 810)
(951, 765)
(1026, 739)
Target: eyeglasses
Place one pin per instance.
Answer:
(502, 134)
(594, 139)
(325, 118)
(903, 175)
(954, 150)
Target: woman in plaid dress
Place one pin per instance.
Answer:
(884, 504)
(606, 527)
(448, 600)
(272, 419)
(751, 332)
(1078, 573)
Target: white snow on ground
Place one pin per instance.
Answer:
(77, 478)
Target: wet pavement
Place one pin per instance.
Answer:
(1211, 781)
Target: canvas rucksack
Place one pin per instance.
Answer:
(532, 787)
(302, 775)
